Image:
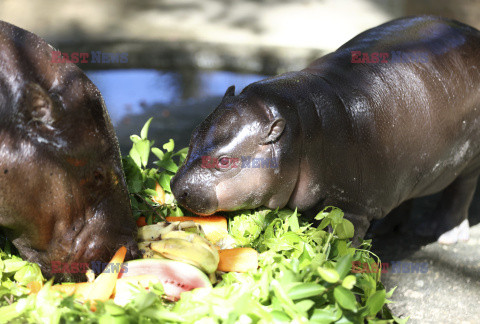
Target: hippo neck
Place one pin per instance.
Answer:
(300, 98)
(317, 100)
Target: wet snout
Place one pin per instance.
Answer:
(194, 189)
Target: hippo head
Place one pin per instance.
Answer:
(238, 158)
(63, 197)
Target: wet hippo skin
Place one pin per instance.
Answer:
(63, 195)
(361, 136)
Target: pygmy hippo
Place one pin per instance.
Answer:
(393, 114)
(63, 196)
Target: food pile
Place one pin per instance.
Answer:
(176, 254)
(253, 266)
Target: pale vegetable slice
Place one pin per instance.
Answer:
(176, 277)
(102, 287)
(238, 260)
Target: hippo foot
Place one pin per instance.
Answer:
(460, 233)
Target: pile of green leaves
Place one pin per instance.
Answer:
(304, 276)
(141, 181)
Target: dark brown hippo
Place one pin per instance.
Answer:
(63, 196)
(361, 136)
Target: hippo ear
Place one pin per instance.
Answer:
(275, 130)
(230, 92)
(38, 105)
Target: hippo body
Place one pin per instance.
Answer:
(63, 196)
(364, 137)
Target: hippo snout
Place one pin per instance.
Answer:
(194, 191)
(102, 248)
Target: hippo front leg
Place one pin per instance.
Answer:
(449, 221)
(361, 223)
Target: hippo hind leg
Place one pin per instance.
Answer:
(449, 223)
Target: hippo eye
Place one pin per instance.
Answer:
(99, 177)
(223, 163)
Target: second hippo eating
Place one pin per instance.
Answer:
(63, 197)
(351, 131)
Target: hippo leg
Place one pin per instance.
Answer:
(397, 218)
(449, 221)
(361, 224)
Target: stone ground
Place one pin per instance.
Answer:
(267, 37)
(450, 291)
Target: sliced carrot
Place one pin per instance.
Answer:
(34, 286)
(141, 221)
(82, 289)
(238, 260)
(102, 287)
(215, 227)
(160, 197)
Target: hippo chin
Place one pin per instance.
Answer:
(352, 131)
(63, 196)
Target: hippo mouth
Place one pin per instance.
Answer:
(198, 204)
(101, 246)
(97, 242)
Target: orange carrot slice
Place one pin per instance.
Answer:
(34, 286)
(238, 260)
(141, 221)
(215, 227)
(102, 287)
(160, 197)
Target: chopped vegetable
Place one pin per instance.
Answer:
(159, 198)
(104, 284)
(80, 289)
(141, 221)
(176, 277)
(238, 260)
(34, 286)
(215, 227)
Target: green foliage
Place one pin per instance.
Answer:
(141, 181)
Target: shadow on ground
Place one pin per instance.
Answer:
(449, 292)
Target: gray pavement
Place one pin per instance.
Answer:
(449, 292)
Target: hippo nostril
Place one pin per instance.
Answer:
(181, 197)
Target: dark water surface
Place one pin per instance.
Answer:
(178, 101)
